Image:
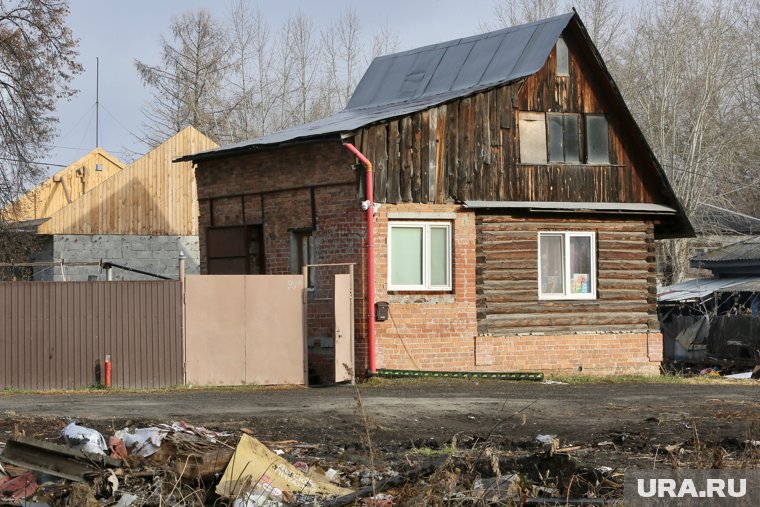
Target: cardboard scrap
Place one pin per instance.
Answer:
(253, 465)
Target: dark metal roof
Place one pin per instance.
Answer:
(747, 250)
(403, 83)
(595, 207)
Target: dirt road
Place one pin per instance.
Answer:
(415, 412)
(460, 429)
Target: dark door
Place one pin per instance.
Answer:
(235, 250)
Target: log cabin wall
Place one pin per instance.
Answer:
(507, 278)
(468, 149)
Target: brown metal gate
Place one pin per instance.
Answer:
(55, 335)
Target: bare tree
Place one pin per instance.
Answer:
(188, 84)
(604, 19)
(515, 12)
(385, 41)
(342, 49)
(38, 59)
(253, 91)
(678, 82)
(239, 78)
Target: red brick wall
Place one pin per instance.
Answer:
(428, 330)
(271, 186)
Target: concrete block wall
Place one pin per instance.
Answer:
(154, 254)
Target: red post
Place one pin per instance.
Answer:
(108, 370)
(370, 256)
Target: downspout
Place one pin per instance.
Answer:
(370, 255)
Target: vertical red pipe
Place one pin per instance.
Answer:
(370, 255)
(108, 370)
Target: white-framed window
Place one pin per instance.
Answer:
(566, 265)
(419, 256)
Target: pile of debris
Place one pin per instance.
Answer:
(182, 464)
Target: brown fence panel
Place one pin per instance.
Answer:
(52, 335)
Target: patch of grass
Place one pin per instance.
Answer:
(446, 450)
(575, 379)
(641, 379)
(97, 390)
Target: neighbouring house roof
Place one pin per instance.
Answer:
(747, 250)
(150, 196)
(65, 186)
(700, 288)
(403, 83)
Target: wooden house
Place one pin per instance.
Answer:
(508, 222)
(141, 216)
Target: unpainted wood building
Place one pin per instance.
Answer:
(516, 209)
(140, 215)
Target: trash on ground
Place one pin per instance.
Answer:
(142, 442)
(54, 459)
(84, 439)
(253, 468)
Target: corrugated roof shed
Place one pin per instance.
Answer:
(695, 290)
(403, 83)
(747, 250)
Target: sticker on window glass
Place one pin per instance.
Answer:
(579, 284)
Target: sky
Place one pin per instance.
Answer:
(120, 32)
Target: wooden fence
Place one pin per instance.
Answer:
(56, 335)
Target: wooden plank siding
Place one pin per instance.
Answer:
(49, 197)
(468, 149)
(507, 277)
(151, 196)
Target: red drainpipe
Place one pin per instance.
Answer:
(370, 256)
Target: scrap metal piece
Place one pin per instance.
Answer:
(54, 459)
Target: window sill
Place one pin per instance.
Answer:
(590, 299)
(411, 297)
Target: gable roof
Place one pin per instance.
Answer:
(403, 83)
(151, 196)
(68, 184)
(746, 250)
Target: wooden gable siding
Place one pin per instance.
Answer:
(49, 197)
(468, 149)
(507, 277)
(151, 196)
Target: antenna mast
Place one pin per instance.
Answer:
(97, 99)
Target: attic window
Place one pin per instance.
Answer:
(563, 60)
(597, 140)
(563, 138)
(557, 138)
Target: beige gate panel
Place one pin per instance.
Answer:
(215, 330)
(344, 319)
(244, 329)
(275, 313)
